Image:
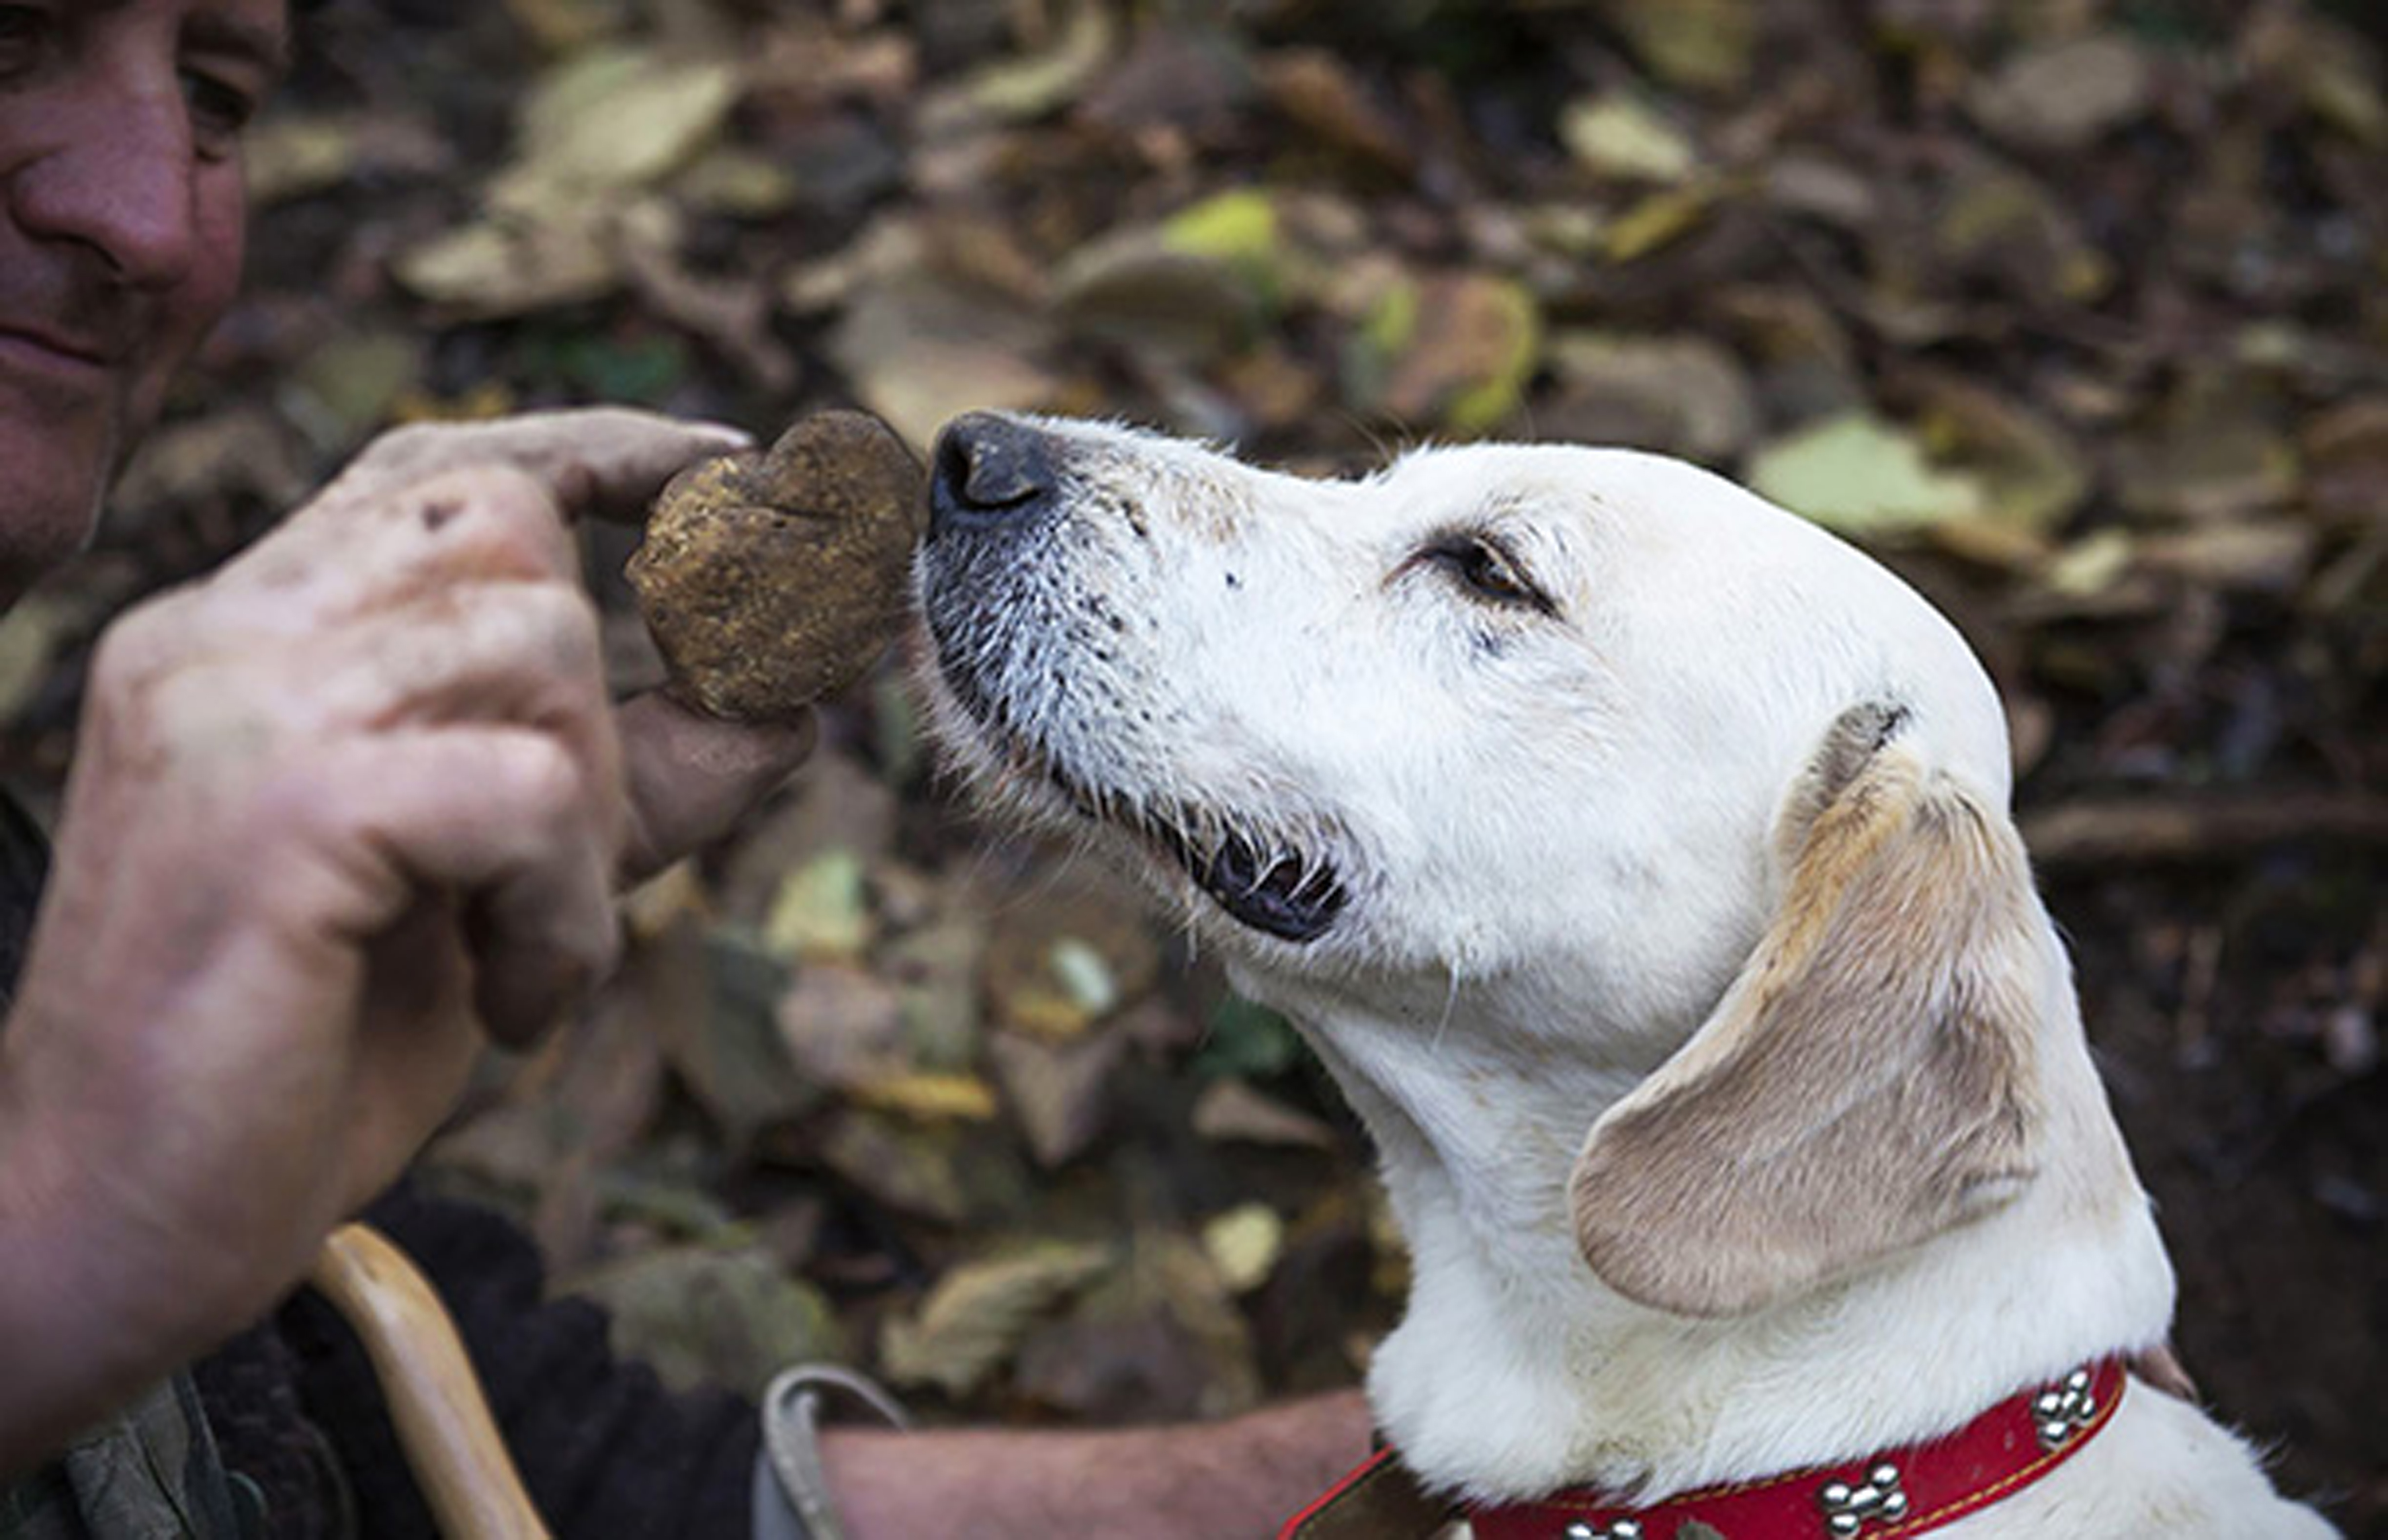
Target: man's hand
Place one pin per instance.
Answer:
(336, 812)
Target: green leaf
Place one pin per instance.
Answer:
(1246, 1041)
(1860, 474)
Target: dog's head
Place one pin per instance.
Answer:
(1585, 748)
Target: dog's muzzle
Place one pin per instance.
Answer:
(995, 488)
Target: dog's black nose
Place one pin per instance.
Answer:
(990, 470)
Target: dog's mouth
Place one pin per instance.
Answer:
(1282, 892)
(1271, 885)
(1280, 887)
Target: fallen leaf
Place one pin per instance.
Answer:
(925, 1096)
(1244, 1244)
(559, 26)
(1619, 134)
(2209, 451)
(1021, 90)
(356, 378)
(246, 451)
(1244, 1039)
(294, 155)
(1232, 1111)
(971, 1322)
(1318, 93)
(704, 1316)
(1181, 79)
(2063, 95)
(724, 1042)
(1473, 340)
(1658, 221)
(1055, 968)
(935, 970)
(1999, 222)
(842, 1025)
(2268, 558)
(1135, 288)
(33, 631)
(911, 1169)
(1821, 187)
(921, 352)
(510, 265)
(730, 179)
(1685, 395)
(1859, 475)
(1159, 1337)
(2032, 474)
(836, 803)
(1241, 229)
(1058, 1092)
(2301, 54)
(2091, 564)
(823, 910)
(1699, 44)
(2345, 456)
(610, 118)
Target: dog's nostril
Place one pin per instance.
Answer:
(987, 468)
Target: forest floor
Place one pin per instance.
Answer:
(2076, 312)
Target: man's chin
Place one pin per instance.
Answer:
(51, 491)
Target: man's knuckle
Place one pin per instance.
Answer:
(505, 514)
(564, 629)
(130, 650)
(543, 775)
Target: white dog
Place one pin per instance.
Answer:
(1636, 856)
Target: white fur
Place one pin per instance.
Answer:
(1556, 831)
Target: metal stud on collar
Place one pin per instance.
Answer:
(1849, 1509)
(1620, 1529)
(2059, 1414)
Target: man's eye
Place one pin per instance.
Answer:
(1489, 572)
(220, 110)
(24, 35)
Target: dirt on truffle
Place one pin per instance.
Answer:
(770, 580)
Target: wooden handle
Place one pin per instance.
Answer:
(433, 1397)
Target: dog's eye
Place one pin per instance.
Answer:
(1488, 572)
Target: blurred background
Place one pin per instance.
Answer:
(2074, 311)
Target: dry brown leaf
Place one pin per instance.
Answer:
(1232, 1111)
(977, 1314)
(1060, 1092)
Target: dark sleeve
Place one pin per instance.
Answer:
(24, 868)
(604, 1449)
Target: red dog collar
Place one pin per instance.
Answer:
(1890, 1496)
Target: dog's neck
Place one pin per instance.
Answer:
(1515, 1371)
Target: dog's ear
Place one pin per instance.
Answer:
(1869, 1078)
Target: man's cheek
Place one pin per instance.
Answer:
(192, 310)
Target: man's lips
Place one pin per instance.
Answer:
(51, 356)
(88, 351)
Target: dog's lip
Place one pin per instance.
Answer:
(1270, 887)
(1282, 893)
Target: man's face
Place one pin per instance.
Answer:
(121, 234)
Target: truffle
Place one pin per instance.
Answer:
(773, 577)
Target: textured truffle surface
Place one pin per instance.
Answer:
(771, 579)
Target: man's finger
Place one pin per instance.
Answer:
(603, 462)
(523, 851)
(691, 777)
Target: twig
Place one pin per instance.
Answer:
(2208, 828)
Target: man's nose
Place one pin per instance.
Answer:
(989, 470)
(120, 182)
